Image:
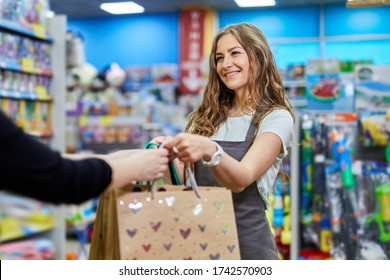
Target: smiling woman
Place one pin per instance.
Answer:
(233, 68)
(240, 132)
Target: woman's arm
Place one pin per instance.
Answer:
(275, 134)
(237, 175)
(230, 173)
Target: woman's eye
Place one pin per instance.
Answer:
(218, 58)
(235, 52)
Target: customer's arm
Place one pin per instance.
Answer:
(114, 155)
(30, 168)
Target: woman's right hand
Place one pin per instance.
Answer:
(159, 140)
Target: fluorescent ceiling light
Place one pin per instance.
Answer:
(366, 3)
(255, 3)
(119, 8)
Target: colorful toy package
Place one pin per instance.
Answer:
(327, 88)
(372, 88)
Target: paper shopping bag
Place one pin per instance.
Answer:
(104, 242)
(171, 224)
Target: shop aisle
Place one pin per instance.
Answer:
(76, 250)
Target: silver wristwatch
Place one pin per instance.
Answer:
(215, 158)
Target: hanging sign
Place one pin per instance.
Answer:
(192, 26)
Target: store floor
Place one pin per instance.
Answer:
(75, 250)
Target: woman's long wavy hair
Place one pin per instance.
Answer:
(266, 91)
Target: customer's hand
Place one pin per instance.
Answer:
(122, 153)
(148, 165)
(159, 140)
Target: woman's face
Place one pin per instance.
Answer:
(232, 64)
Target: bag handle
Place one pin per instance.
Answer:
(191, 176)
(175, 177)
(172, 170)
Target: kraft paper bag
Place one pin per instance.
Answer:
(173, 223)
(105, 243)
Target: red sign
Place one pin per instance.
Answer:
(192, 23)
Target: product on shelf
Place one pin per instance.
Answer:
(25, 96)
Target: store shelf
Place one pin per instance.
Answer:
(26, 95)
(32, 31)
(45, 221)
(6, 65)
(24, 230)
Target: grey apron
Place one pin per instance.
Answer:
(255, 237)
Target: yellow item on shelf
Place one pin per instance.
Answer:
(269, 214)
(285, 236)
(10, 228)
(325, 240)
(40, 218)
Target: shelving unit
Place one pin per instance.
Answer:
(339, 172)
(295, 192)
(52, 221)
(57, 27)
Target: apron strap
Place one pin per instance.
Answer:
(251, 131)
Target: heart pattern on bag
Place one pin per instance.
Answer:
(203, 246)
(155, 225)
(182, 228)
(167, 246)
(214, 257)
(218, 204)
(135, 207)
(197, 209)
(185, 233)
(225, 229)
(202, 227)
(147, 247)
(131, 233)
(170, 200)
(176, 217)
(231, 248)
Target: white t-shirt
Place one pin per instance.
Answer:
(279, 122)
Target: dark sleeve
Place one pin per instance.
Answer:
(30, 168)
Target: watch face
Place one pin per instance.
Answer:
(217, 159)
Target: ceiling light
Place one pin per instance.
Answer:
(366, 3)
(255, 3)
(120, 8)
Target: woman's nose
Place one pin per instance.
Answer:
(227, 62)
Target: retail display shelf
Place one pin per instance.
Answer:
(22, 230)
(38, 96)
(31, 31)
(28, 69)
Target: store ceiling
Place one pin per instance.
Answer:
(90, 8)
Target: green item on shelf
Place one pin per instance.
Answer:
(387, 153)
(382, 217)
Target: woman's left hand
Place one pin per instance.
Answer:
(191, 148)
